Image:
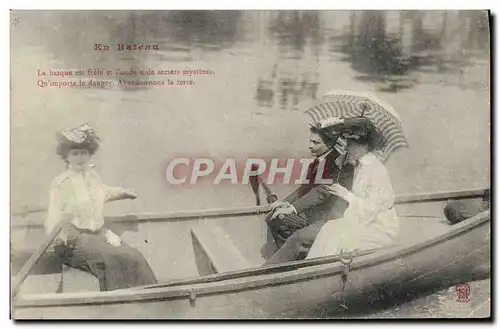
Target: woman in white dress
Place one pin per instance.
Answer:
(370, 220)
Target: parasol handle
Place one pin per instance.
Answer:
(363, 107)
(35, 257)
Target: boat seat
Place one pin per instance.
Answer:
(41, 283)
(74, 280)
(218, 249)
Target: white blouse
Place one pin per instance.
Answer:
(81, 197)
(370, 221)
(372, 198)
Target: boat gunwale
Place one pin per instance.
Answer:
(249, 282)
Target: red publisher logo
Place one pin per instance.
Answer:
(463, 293)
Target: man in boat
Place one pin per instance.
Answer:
(295, 221)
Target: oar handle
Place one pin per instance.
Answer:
(25, 270)
(27, 211)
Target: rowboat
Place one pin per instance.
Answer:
(227, 287)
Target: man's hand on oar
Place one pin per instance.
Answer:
(254, 183)
(271, 198)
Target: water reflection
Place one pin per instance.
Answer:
(293, 29)
(211, 30)
(437, 300)
(179, 30)
(384, 48)
(70, 36)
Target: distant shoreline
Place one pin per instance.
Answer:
(126, 46)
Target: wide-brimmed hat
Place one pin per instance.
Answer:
(78, 135)
(351, 104)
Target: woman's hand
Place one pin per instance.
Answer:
(113, 239)
(62, 237)
(130, 194)
(339, 190)
(58, 241)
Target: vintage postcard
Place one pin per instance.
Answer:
(242, 164)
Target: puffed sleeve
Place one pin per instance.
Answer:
(113, 193)
(379, 196)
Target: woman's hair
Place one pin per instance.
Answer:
(370, 144)
(327, 135)
(63, 148)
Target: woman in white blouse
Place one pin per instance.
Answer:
(78, 195)
(370, 220)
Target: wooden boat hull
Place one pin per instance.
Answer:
(460, 255)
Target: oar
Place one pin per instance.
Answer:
(255, 182)
(25, 270)
(27, 211)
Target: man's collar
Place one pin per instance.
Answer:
(324, 155)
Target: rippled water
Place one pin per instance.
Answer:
(269, 67)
